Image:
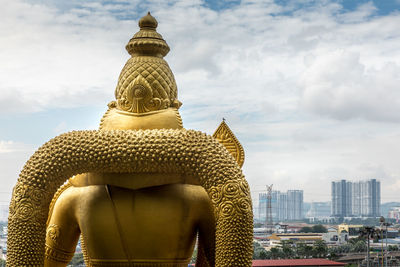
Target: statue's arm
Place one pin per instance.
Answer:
(62, 232)
(206, 246)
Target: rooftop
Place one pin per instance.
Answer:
(296, 236)
(297, 262)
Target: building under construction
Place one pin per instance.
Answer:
(285, 206)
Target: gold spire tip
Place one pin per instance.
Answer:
(147, 41)
(148, 21)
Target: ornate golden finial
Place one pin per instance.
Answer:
(148, 21)
(146, 82)
(147, 41)
(225, 136)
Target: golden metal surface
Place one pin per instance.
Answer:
(146, 82)
(143, 186)
(225, 136)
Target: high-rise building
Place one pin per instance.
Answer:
(357, 198)
(282, 207)
(294, 204)
(341, 198)
(285, 206)
(361, 199)
(274, 205)
(369, 198)
(262, 206)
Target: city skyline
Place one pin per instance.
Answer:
(309, 88)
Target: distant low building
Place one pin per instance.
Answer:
(332, 237)
(307, 238)
(394, 213)
(351, 229)
(297, 262)
(388, 206)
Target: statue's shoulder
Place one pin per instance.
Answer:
(70, 194)
(195, 191)
(64, 201)
(67, 191)
(194, 195)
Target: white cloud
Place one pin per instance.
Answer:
(337, 84)
(73, 58)
(56, 60)
(11, 146)
(360, 14)
(12, 157)
(6, 146)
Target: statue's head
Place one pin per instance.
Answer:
(146, 93)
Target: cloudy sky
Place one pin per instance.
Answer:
(310, 88)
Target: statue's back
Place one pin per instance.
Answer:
(118, 225)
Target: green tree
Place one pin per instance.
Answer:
(320, 249)
(345, 248)
(287, 249)
(332, 254)
(309, 250)
(303, 250)
(77, 260)
(305, 229)
(319, 228)
(275, 253)
(353, 241)
(259, 253)
(263, 255)
(359, 246)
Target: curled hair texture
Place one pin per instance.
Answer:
(162, 151)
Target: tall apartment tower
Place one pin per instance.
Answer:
(361, 199)
(367, 198)
(274, 204)
(282, 207)
(341, 198)
(262, 206)
(294, 204)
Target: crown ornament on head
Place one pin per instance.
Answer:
(146, 82)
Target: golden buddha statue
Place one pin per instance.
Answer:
(142, 187)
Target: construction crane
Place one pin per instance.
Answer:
(269, 225)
